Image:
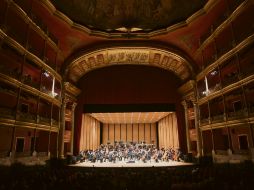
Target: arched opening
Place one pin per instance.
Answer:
(125, 89)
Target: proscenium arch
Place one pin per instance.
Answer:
(149, 56)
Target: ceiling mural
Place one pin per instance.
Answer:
(129, 55)
(128, 15)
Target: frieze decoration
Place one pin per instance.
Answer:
(129, 55)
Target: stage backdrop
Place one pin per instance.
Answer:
(143, 132)
(168, 132)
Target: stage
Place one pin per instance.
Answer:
(131, 165)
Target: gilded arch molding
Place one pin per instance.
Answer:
(157, 57)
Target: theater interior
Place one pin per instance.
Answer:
(76, 75)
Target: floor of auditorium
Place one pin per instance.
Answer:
(131, 164)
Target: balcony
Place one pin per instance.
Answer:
(247, 70)
(55, 122)
(204, 121)
(229, 79)
(215, 88)
(7, 113)
(44, 120)
(235, 4)
(238, 114)
(217, 118)
(251, 110)
(14, 73)
(28, 80)
(220, 20)
(28, 117)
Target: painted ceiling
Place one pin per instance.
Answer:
(133, 15)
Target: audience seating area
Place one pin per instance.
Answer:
(57, 175)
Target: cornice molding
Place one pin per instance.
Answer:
(222, 26)
(134, 55)
(246, 42)
(51, 8)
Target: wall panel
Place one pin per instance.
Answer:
(141, 132)
(111, 133)
(123, 132)
(153, 134)
(135, 133)
(168, 132)
(105, 136)
(147, 133)
(129, 132)
(117, 132)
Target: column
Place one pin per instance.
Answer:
(199, 152)
(72, 125)
(62, 130)
(187, 125)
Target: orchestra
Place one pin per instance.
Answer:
(130, 152)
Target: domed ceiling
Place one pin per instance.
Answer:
(128, 15)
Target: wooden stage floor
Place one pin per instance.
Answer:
(131, 165)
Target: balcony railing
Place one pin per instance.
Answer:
(54, 122)
(225, 48)
(221, 152)
(220, 20)
(215, 88)
(230, 79)
(44, 120)
(8, 113)
(247, 70)
(27, 117)
(14, 73)
(28, 80)
(251, 110)
(238, 114)
(245, 34)
(217, 118)
(23, 154)
(204, 121)
(235, 4)
(209, 61)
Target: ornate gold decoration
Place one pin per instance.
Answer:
(129, 55)
(71, 89)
